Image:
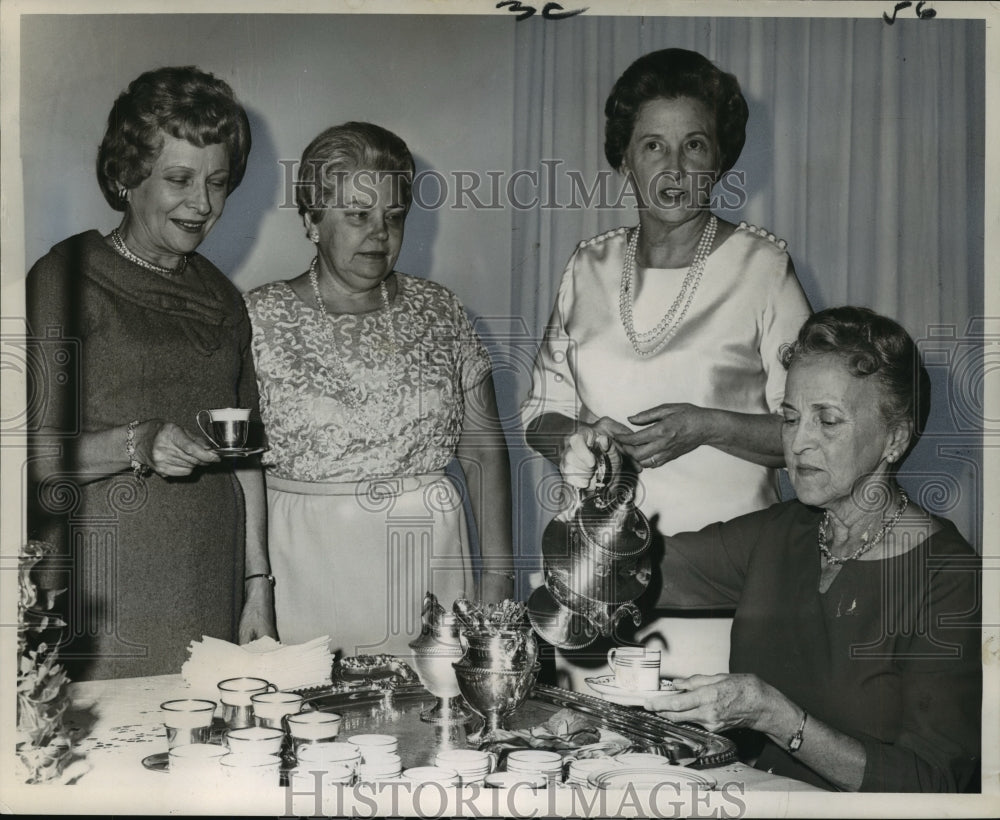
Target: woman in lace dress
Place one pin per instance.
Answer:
(371, 381)
(664, 337)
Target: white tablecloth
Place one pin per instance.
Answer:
(118, 724)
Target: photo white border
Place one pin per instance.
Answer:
(71, 800)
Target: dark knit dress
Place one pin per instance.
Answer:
(148, 565)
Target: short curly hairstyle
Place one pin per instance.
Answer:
(871, 345)
(668, 74)
(181, 101)
(352, 146)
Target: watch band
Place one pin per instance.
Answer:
(796, 739)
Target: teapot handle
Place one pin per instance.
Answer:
(604, 471)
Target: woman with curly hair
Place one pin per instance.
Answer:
(164, 541)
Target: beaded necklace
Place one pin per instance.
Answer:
(118, 243)
(823, 538)
(354, 393)
(667, 326)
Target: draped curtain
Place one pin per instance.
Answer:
(865, 151)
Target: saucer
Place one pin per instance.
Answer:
(640, 777)
(160, 762)
(605, 684)
(237, 452)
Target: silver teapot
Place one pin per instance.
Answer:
(596, 564)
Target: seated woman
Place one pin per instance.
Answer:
(371, 381)
(856, 639)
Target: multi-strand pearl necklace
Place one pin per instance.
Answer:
(118, 243)
(667, 326)
(353, 390)
(823, 537)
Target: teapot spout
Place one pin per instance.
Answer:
(605, 619)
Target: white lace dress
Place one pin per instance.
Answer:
(362, 413)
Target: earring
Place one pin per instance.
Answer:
(891, 457)
(314, 234)
(123, 195)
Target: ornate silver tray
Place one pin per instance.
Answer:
(396, 711)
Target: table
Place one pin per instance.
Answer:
(118, 724)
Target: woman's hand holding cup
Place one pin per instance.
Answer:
(168, 450)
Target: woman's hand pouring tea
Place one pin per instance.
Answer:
(578, 463)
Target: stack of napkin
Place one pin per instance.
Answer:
(287, 667)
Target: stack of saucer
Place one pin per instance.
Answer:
(681, 779)
(379, 766)
(375, 743)
(513, 780)
(534, 762)
(470, 764)
(323, 755)
(432, 774)
(308, 777)
(580, 770)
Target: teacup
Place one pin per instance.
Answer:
(197, 763)
(636, 668)
(258, 740)
(251, 770)
(188, 721)
(312, 728)
(236, 695)
(270, 707)
(227, 427)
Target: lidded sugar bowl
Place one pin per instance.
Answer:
(435, 651)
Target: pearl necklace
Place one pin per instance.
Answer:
(118, 243)
(667, 326)
(824, 534)
(353, 390)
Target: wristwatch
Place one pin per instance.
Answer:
(796, 740)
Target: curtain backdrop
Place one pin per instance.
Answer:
(864, 151)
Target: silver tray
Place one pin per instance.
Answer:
(396, 711)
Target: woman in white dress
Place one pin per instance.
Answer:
(664, 339)
(371, 381)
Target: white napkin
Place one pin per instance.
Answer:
(287, 667)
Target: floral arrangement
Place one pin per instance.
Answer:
(43, 744)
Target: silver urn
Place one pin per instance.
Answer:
(496, 675)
